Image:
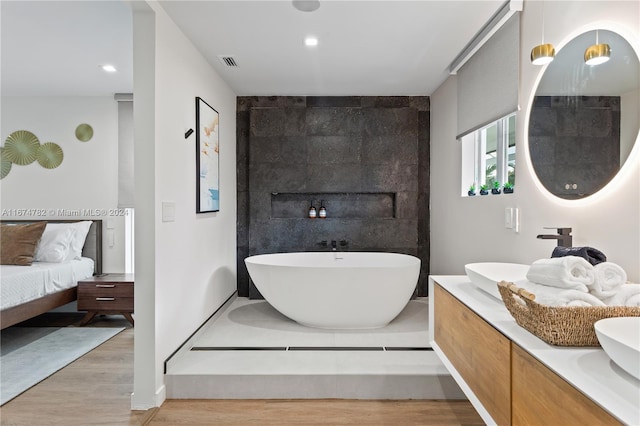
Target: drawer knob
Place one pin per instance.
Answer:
(105, 285)
(105, 299)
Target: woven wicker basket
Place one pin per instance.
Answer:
(558, 325)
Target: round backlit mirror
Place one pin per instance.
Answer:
(584, 119)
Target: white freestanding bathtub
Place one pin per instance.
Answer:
(336, 290)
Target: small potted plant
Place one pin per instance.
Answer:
(496, 188)
(507, 188)
(484, 189)
(472, 190)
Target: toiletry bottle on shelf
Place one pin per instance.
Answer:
(322, 213)
(312, 211)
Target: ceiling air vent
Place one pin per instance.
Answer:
(228, 60)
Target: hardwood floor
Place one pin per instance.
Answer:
(96, 390)
(315, 412)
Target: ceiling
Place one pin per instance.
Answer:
(55, 48)
(365, 47)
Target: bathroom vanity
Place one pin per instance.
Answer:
(511, 376)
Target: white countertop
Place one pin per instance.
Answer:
(589, 370)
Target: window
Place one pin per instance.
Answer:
(489, 155)
(129, 246)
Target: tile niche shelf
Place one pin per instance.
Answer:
(339, 205)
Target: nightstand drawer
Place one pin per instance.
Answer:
(106, 294)
(104, 303)
(105, 289)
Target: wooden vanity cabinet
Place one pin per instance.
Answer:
(512, 386)
(538, 395)
(480, 353)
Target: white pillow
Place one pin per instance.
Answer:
(81, 231)
(54, 245)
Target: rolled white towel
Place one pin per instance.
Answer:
(608, 277)
(626, 295)
(554, 296)
(568, 272)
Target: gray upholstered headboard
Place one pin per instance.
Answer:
(92, 245)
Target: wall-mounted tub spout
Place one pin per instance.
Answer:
(564, 237)
(334, 248)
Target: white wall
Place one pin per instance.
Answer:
(471, 229)
(192, 264)
(88, 175)
(629, 122)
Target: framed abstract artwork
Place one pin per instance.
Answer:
(207, 158)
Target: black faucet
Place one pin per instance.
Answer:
(564, 237)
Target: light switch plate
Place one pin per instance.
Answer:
(508, 218)
(168, 211)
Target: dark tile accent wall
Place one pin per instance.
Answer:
(367, 157)
(575, 139)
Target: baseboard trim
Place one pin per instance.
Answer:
(161, 395)
(158, 398)
(137, 405)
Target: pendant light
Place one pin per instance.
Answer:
(597, 54)
(544, 52)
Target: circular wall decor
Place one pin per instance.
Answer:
(21, 147)
(50, 155)
(84, 132)
(6, 164)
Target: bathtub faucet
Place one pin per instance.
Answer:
(334, 249)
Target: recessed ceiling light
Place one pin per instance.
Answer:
(306, 5)
(311, 41)
(108, 68)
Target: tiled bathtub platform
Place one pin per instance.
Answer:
(252, 351)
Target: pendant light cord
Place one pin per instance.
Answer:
(542, 41)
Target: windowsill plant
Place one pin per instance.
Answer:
(496, 188)
(507, 188)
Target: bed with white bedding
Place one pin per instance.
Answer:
(28, 291)
(22, 284)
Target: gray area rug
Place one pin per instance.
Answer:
(29, 355)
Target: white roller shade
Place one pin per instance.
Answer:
(125, 150)
(488, 81)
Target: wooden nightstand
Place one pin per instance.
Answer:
(106, 294)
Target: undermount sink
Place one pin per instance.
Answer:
(487, 275)
(620, 339)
